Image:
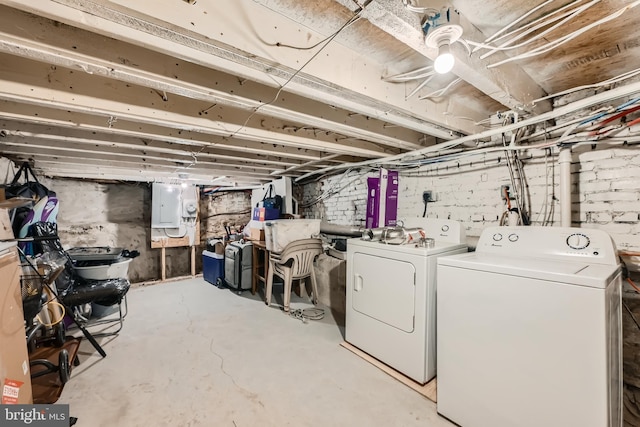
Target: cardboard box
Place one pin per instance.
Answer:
(256, 234)
(265, 214)
(15, 374)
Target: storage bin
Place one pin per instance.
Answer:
(279, 233)
(263, 214)
(212, 267)
(108, 270)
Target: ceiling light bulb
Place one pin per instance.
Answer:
(444, 61)
(183, 185)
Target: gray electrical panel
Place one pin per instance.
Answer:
(166, 206)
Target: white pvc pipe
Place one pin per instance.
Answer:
(564, 159)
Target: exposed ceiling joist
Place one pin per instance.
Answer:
(262, 88)
(64, 149)
(21, 34)
(517, 94)
(340, 76)
(37, 84)
(105, 142)
(16, 113)
(57, 168)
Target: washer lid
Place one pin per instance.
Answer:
(411, 249)
(574, 273)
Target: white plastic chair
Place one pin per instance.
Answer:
(295, 262)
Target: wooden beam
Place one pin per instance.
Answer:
(114, 59)
(163, 263)
(499, 84)
(340, 77)
(179, 138)
(37, 84)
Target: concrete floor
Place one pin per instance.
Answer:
(191, 354)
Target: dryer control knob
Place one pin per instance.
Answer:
(578, 241)
(445, 228)
(497, 237)
(513, 237)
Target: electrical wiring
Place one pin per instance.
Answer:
(598, 99)
(631, 282)
(441, 92)
(536, 21)
(511, 164)
(426, 73)
(560, 41)
(570, 137)
(333, 189)
(313, 46)
(416, 74)
(326, 42)
(420, 86)
(548, 131)
(511, 24)
(613, 80)
(306, 314)
(228, 213)
(564, 18)
(545, 211)
(175, 236)
(595, 130)
(409, 4)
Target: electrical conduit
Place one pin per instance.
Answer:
(564, 159)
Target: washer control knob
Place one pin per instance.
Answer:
(445, 228)
(578, 241)
(497, 237)
(513, 237)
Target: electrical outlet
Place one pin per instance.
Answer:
(428, 196)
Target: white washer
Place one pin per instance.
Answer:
(390, 311)
(529, 330)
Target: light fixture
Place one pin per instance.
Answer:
(445, 60)
(441, 31)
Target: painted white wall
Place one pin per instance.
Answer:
(605, 191)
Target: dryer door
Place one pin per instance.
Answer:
(384, 289)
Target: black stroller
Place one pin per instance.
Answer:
(33, 283)
(73, 290)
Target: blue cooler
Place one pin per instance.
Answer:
(212, 267)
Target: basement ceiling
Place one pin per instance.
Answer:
(237, 93)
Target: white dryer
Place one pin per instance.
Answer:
(529, 330)
(390, 311)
